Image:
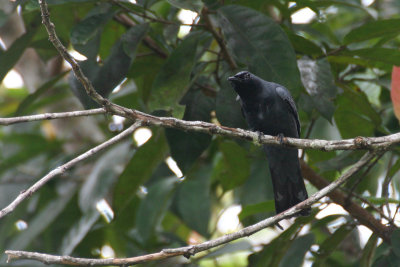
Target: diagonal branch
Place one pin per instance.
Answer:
(63, 168)
(52, 116)
(192, 250)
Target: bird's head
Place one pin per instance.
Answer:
(245, 83)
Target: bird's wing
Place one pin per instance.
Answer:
(285, 95)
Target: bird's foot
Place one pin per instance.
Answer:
(260, 135)
(280, 138)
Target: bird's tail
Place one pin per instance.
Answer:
(289, 188)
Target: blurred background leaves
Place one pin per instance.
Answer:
(168, 188)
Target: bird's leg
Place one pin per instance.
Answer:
(280, 138)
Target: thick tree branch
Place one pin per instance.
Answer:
(63, 168)
(192, 250)
(51, 116)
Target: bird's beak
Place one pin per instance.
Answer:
(232, 79)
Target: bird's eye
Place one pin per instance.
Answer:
(246, 76)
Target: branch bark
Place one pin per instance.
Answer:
(51, 116)
(63, 168)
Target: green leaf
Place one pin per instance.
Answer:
(138, 170)
(353, 109)
(114, 69)
(174, 76)
(228, 109)
(10, 57)
(317, 78)
(89, 27)
(194, 191)
(332, 242)
(103, 175)
(295, 254)
(195, 5)
(377, 54)
(232, 167)
(31, 98)
(78, 232)
(374, 29)
(153, 207)
(261, 44)
(233, 247)
(187, 147)
(303, 45)
(395, 240)
(368, 251)
(262, 207)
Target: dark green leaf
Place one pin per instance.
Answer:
(78, 232)
(395, 239)
(232, 167)
(353, 109)
(262, 207)
(114, 69)
(138, 170)
(195, 5)
(376, 54)
(103, 175)
(194, 191)
(89, 27)
(261, 44)
(187, 147)
(303, 45)
(317, 78)
(153, 206)
(173, 79)
(368, 251)
(295, 254)
(374, 29)
(241, 245)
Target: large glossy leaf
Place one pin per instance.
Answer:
(257, 41)
(194, 191)
(374, 29)
(103, 176)
(354, 109)
(377, 54)
(173, 79)
(139, 169)
(232, 166)
(78, 232)
(89, 27)
(317, 78)
(186, 147)
(295, 254)
(153, 207)
(114, 69)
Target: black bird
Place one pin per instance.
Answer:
(269, 108)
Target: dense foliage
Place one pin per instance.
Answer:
(338, 67)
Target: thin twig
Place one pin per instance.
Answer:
(218, 38)
(63, 168)
(52, 116)
(194, 249)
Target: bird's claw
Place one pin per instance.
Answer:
(260, 135)
(280, 138)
